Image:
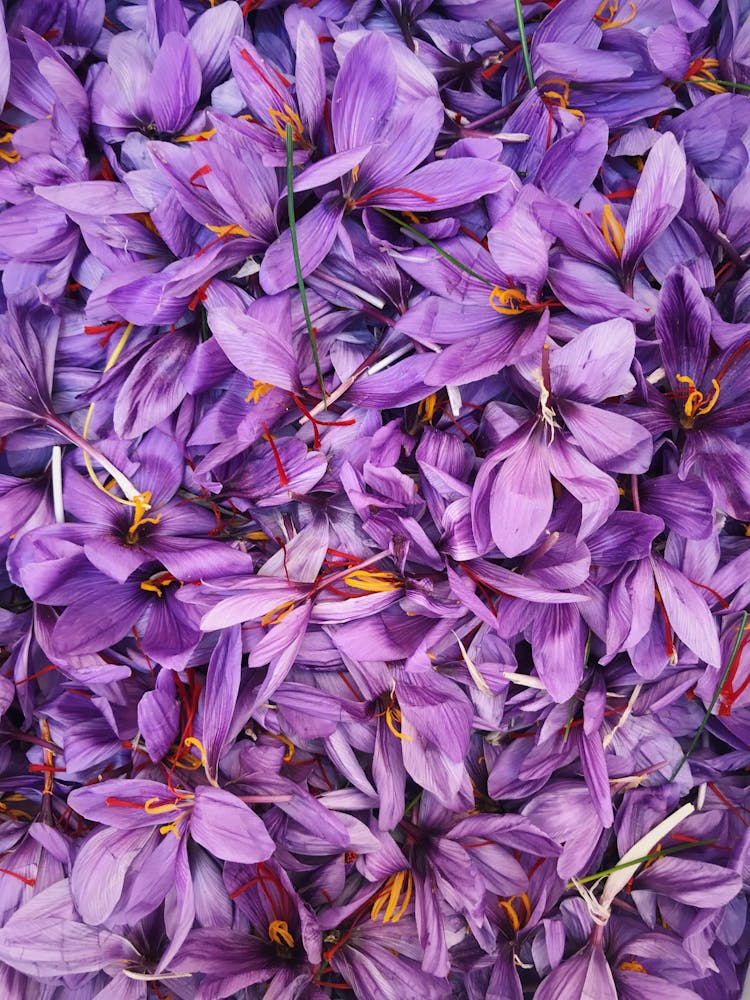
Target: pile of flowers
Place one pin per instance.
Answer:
(374, 488)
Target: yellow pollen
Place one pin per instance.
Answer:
(391, 892)
(286, 117)
(153, 587)
(197, 136)
(274, 616)
(372, 581)
(507, 301)
(613, 230)
(607, 12)
(9, 156)
(631, 966)
(697, 404)
(393, 717)
(142, 504)
(278, 932)
(257, 392)
(231, 230)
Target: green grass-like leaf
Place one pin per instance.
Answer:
(295, 254)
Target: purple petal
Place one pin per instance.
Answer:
(558, 638)
(364, 93)
(609, 440)
(175, 84)
(687, 612)
(228, 828)
(521, 497)
(571, 164)
(683, 326)
(657, 199)
(220, 697)
(316, 234)
(101, 867)
(595, 364)
(585, 975)
(440, 185)
(209, 38)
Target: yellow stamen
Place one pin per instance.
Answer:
(191, 741)
(696, 403)
(185, 761)
(231, 230)
(515, 922)
(391, 892)
(631, 966)
(257, 392)
(393, 716)
(197, 136)
(704, 78)
(275, 616)
(561, 97)
(507, 905)
(427, 407)
(287, 743)
(607, 11)
(508, 301)
(613, 230)
(286, 117)
(278, 932)
(154, 588)
(373, 581)
(155, 810)
(142, 504)
(90, 412)
(11, 156)
(170, 828)
(355, 173)
(257, 536)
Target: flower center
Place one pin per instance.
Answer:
(141, 506)
(278, 933)
(156, 583)
(697, 404)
